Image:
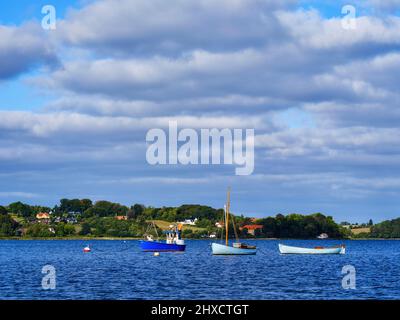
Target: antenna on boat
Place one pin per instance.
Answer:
(228, 204)
(223, 223)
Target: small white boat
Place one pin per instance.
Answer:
(317, 250)
(221, 249)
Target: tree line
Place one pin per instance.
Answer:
(98, 219)
(388, 229)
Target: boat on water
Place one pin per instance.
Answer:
(221, 249)
(173, 243)
(316, 250)
(237, 248)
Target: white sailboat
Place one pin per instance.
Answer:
(236, 248)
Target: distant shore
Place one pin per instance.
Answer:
(140, 238)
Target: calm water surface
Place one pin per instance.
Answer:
(118, 270)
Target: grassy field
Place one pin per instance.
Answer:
(16, 218)
(164, 225)
(360, 230)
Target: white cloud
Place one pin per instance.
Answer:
(18, 194)
(310, 30)
(22, 48)
(141, 27)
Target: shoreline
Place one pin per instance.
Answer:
(140, 238)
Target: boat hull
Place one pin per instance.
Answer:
(221, 249)
(298, 250)
(157, 246)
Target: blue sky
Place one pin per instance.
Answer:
(76, 103)
(24, 10)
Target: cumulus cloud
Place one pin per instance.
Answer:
(196, 74)
(161, 27)
(213, 105)
(385, 6)
(332, 143)
(22, 48)
(17, 194)
(313, 31)
(48, 124)
(296, 60)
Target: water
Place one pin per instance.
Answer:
(118, 270)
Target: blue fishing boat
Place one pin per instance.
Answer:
(173, 243)
(237, 248)
(159, 246)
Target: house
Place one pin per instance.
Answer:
(190, 222)
(43, 217)
(219, 224)
(251, 228)
(120, 218)
(72, 220)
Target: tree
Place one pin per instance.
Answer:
(85, 229)
(3, 211)
(386, 229)
(74, 205)
(269, 227)
(301, 226)
(106, 209)
(135, 211)
(20, 209)
(138, 208)
(8, 226)
(86, 204)
(370, 222)
(64, 229)
(39, 230)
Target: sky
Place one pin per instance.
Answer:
(77, 101)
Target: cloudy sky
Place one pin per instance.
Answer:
(76, 102)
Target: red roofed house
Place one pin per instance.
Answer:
(43, 217)
(251, 228)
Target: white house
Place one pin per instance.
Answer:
(218, 224)
(190, 222)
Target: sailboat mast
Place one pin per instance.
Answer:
(227, 215)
